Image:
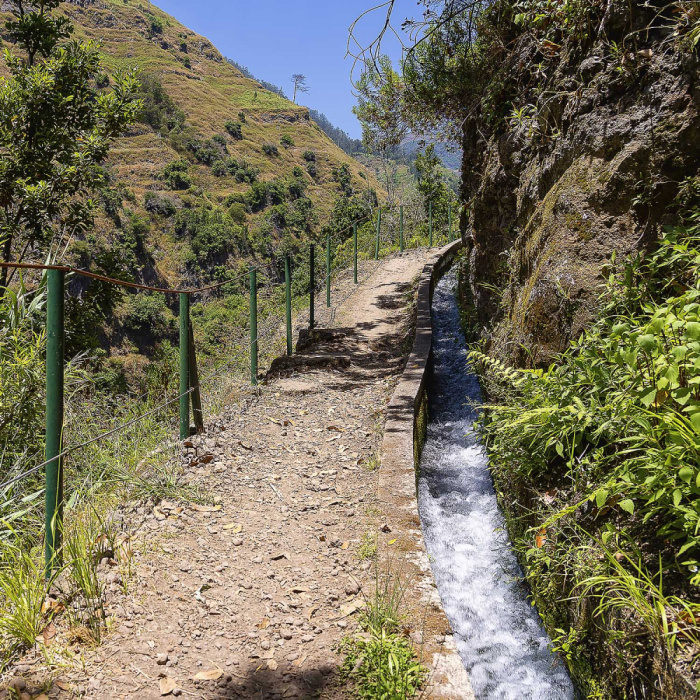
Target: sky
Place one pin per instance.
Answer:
(276, 38)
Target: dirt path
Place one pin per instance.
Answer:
(261, 590)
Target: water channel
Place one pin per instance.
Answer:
(500, 637)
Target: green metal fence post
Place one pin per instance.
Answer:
(184, 366)
(401, 228)
(430, 222)
(253, 326)
(312, 283)
(197, 414)
(328, 271)
(288, 302)
(55, 342)
(354, 254)
(379, 228)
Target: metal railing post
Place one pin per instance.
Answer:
(288, 302)
(197, 414)
(354, 254)
(312, 284)
(379, 228)
(430, 222)
(401, 228)
(184, 366)
(328, 271)
(253, 326)
(55, 344)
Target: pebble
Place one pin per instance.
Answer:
(162, 659)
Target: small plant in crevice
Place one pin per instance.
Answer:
(368, 547)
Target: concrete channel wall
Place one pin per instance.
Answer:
(402, 548)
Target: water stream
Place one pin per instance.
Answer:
(500, 638)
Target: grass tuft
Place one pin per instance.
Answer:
(380, 660)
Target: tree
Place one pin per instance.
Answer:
(432, 185)
(299, 82)
(56, 127)
(379, 108)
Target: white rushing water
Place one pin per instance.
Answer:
(500, 637)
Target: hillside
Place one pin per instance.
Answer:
(192, 95)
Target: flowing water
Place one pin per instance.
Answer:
(500, 638)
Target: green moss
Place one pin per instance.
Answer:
(583, 228)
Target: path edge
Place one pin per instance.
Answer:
(404, 433)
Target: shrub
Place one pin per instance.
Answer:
(158, 204)
(183, 46)
(219, 168)
(241, 170)
(344, 178)
(311, 169)
(220, 140)
(234, 129)
(158, 110)
(257, 196)
(245, 172)
(278, 216)
(297, 171)
(241, 117)
(186, 62)
(176, 176)
(102, 80)
(235, 197)
(277, 191)
(309, 156)
(287, 141)
(269, 149)
(237, 212)
(147, 313)
(212, 236)
(156, 26)
(206, 152)
(296, 189)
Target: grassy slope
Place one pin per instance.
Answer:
(210, 93)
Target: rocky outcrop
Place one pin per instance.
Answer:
(589, 162)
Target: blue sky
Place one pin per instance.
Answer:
(275, 38)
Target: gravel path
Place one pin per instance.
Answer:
(257, 590)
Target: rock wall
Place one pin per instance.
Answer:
(591, 163)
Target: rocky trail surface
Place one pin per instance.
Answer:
(248, 597)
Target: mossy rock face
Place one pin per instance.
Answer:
(548, 207)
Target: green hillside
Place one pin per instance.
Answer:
(192, 94)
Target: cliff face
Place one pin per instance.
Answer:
(602, 136)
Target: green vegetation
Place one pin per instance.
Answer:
(235, 129)
(381, 661)
(176, 176)
(598, 456)
(55, 129)
(158, 109)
